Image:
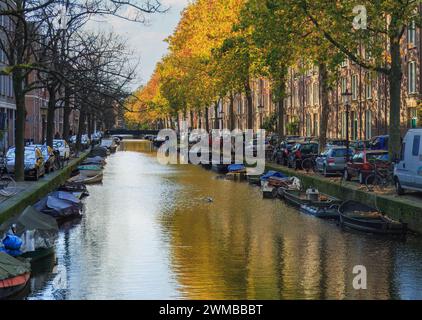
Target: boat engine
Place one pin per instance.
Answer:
(312, 194)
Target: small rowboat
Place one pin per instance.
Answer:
(90, 170)
(268, 192)
(322, 213)
(14, 275)
(87, 180)
(299, 198)
(357, 216)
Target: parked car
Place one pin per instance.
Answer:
(379, 143)
(63, 147)
(33, 162)
(283, 150)
(362, 164)
(408, 170)
(300, 152)
(360, 145)
(49, 157)
(336, 142)
(333, 160)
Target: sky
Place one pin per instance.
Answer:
(147, 41)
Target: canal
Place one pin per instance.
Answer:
(151, 232)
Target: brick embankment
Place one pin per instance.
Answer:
(33, 191)
(403, 209)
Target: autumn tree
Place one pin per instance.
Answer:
(379, 27)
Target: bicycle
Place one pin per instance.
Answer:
(7, 183)
(380, 178)
(309, 164)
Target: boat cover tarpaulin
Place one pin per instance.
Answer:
(57, 208)
(30, 219)
(63, 195)
(37, 230)
(236, 167)
(11, 267)
(271, 174)
(98, 152)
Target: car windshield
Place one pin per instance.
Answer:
(29, 155)
(57, 144)
(377, 157)
(11, 153)
(340, 153)
(308, 148)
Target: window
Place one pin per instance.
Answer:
(343, 85)
(308, 125)
(344, 63)
(413, 117)
(411, 75)
(309, 95)
(411, 33)
(368, 86)
(354, 87)
(403, 150)
(416, 145)
(358, 158)
(316, 93)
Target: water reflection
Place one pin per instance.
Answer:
(149, 233)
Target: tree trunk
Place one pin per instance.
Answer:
(231, 112)
(325, 106)
(395, 77)
(216, 120)
(20, 124)
(207, 124)
(66, 115)
(191, 119)
(249, 102)
(50, 115)
(81, 129)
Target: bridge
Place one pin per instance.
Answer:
(135, 133)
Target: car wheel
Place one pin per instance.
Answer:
(361, 178)
(399, 189)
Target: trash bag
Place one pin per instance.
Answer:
(12, 242)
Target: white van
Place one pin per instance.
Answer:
(408, 171)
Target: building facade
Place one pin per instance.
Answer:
(369, 109)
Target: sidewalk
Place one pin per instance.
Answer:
(30, 192)
(406, 208)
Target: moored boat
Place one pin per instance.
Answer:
(37, 233)
(14, 275)
(86, 180)
(311, 197)
(322, 213)
(90, 170)
(360, 217)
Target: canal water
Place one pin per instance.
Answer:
(151, 232)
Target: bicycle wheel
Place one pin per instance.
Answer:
(374, 182)
(7, 186)
(308, 165)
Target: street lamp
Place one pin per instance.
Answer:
(346, 100)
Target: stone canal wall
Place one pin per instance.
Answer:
(402, 208)
(35, 190)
